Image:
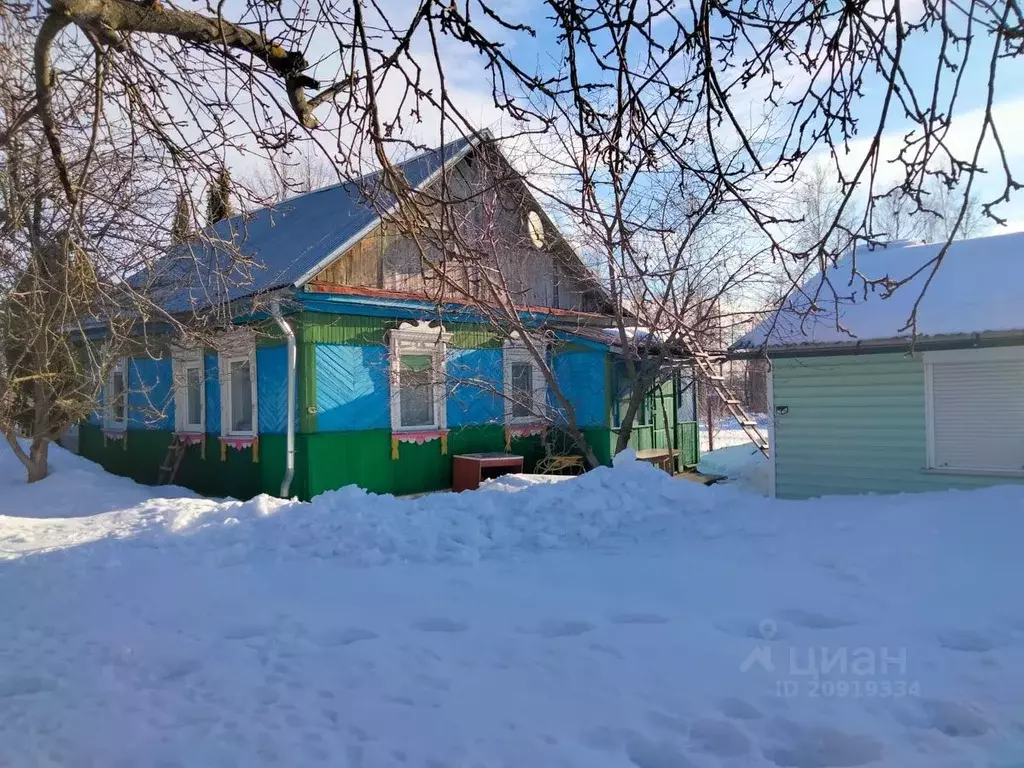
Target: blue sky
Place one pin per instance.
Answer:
(469, 85)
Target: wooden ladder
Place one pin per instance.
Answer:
(706, 363)
(169, 469)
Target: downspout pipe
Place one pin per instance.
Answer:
(289, 460)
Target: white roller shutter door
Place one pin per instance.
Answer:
(978, 415)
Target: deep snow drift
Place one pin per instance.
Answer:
(618, 619)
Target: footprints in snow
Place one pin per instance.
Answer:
(574, 627)
(819, 746)
(345, 636)
(788, 744)
(965, 640)
(812, 620)
(638, 618)
(769, 629)
(738, 709)
(951, 718)
(24, 685)
(552, 629)
(439, 624)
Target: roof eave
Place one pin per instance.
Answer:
(877, 346)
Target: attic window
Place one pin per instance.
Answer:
(536, 229)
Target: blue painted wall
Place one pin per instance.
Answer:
(150, 399)
(272, 390)
(352, 388)
(474, 378)
(581, 377)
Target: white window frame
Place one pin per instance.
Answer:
(419, 339)
(239, 346)
(108, 396)
(515, 351)
(181, 361)
(978, 355)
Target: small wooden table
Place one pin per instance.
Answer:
(469, 469)
(659, 457)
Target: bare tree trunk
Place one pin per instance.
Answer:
(35, 460)
(627, 420)
(37, 463)
(670, 441)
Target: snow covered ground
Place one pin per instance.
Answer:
(743, 465)
(728, 433)
(618, 619)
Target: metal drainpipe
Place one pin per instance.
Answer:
(286, 329)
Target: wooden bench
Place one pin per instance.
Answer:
(662, 458)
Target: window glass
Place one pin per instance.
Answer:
(193, 396)
(416, 391)
(522, 389)
(117, 394)
(241, 396)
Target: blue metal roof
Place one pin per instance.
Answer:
(277, 246)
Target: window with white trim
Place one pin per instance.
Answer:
(189, 391)
(524, 386)
(975, 410)
(417, 377)
(115, 396)
(237, 367)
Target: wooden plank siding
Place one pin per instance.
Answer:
(855, 424)
(490, 213)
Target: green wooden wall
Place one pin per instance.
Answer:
(363, 458)
(649, 427)
(238, 476)
(855, 424)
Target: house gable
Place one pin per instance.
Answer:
(509, 246)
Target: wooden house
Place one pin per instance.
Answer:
(352, 362)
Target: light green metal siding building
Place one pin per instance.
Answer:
(848, 424)
(899, 369)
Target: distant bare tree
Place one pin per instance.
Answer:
(933, 216)
(896, 219)
(284, 174)
(826, 222)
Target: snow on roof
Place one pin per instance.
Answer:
(633, 333)
(977, 289)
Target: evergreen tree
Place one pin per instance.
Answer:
(181, 228)
(218, 206)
